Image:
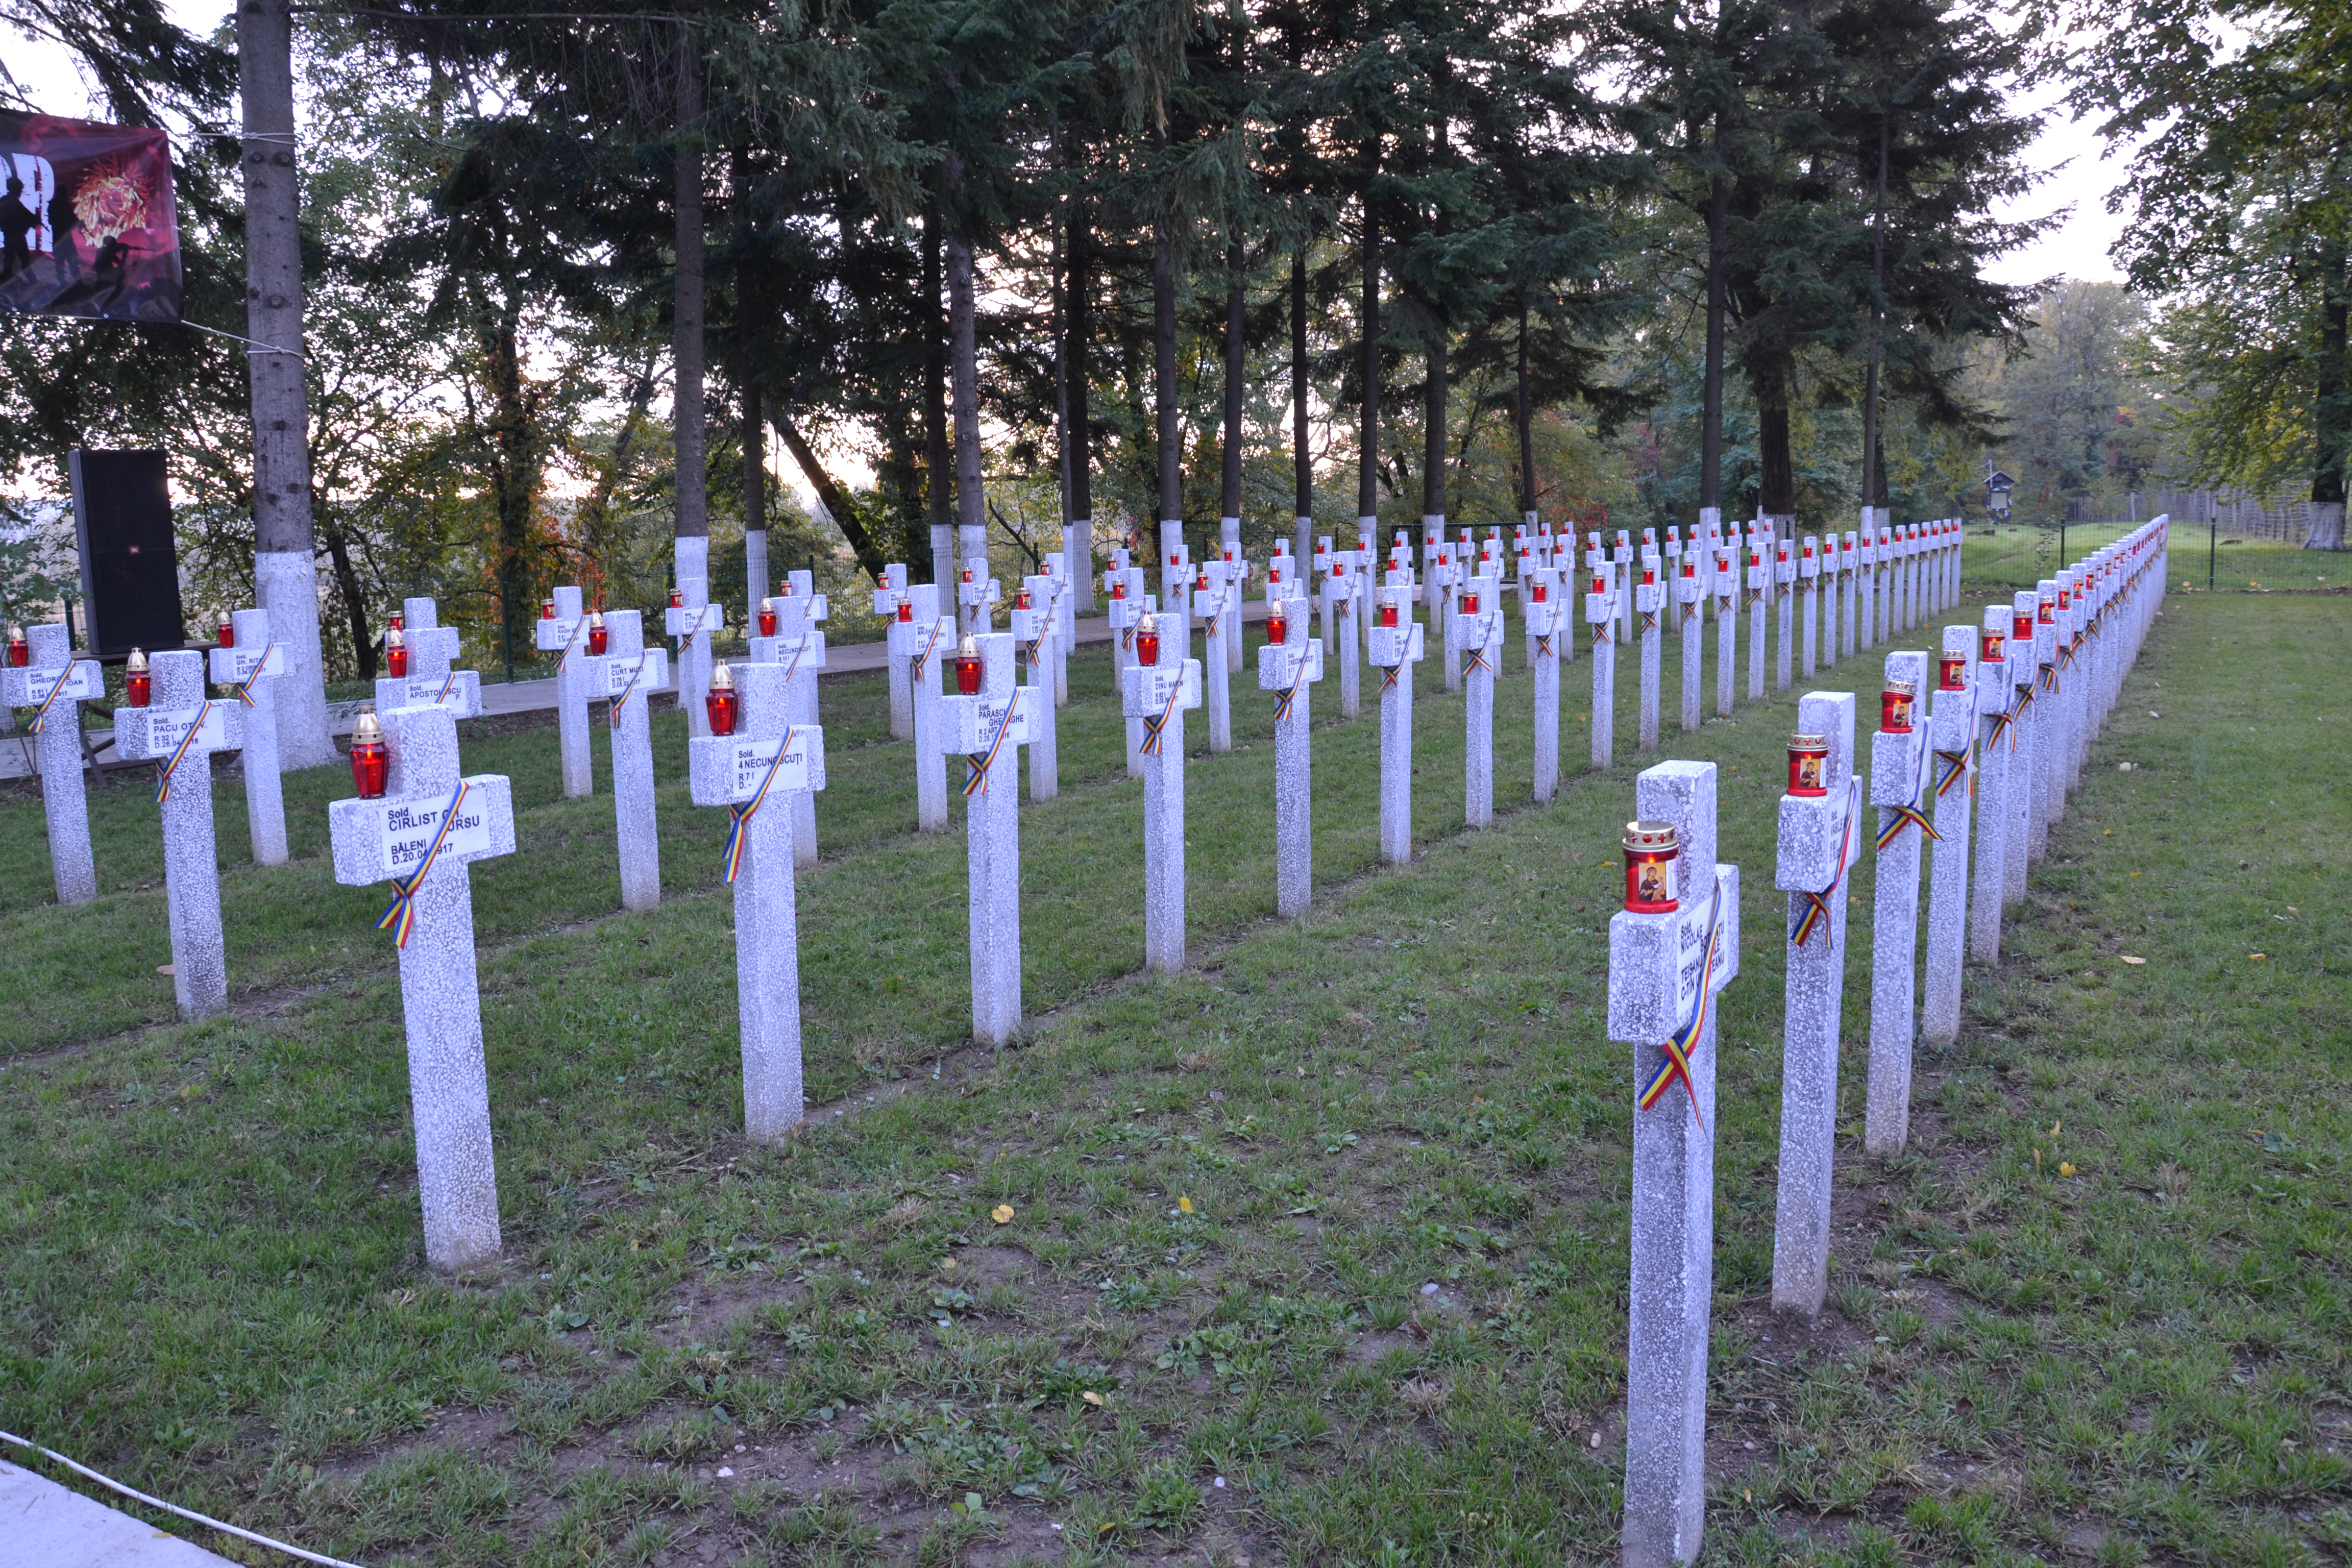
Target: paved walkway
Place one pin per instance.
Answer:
(531, 696)
(44, 1525)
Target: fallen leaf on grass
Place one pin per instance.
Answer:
(1002, 1213)
(2258, 957)
(2066, 1168)
(2128, 957)
(1091, 1397)
(1186, 1204)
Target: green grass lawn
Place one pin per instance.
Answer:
(1336, 1218)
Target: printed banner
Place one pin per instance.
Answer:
(87, 222)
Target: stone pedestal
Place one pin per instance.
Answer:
(1290, 670)
(250, 666)
(631, 671)
(53, 685)
(1820, 836)
(179, 731)
(421, 835)
(565, 635)
(1397, 647)
(925, 640)
(755, 573)
(987, 729)
(1952, 732)
(1665, 971)
(1899, 788)
(1157, 697)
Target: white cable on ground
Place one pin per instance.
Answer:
(175, 1508)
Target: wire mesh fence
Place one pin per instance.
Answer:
(2207, 556)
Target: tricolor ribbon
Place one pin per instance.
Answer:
(1755, 597)
(1154, 727)
(1817, 905)
(1391, 677)
(1478, 661)
(1679, 1045)
(41, 714)
(613, 714)
(578, 629)
(2003, 722)
(1649, 620)
(1955, 768)
(740, 816)
(1543, 646)
(1898, 817)
(1600, 633)
(245, 690)
(977, 764)
(399, 915)
(1288, 694)
(450, 681)
(1690, 611)
(2050, 678)
(163, 773)
(924, 658)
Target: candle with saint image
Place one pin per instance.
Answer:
(369, 762)
(2049, 607)
(1952, 670)
(546, 609)
(395, 653)
(135, 679)
(1147, 642)
(399, 621)
(1650, 851)
(598, 638)
(1809, 764)
(1991, 647)
(719, 704)
(767, 618)
(1894, 707)
(678, 598)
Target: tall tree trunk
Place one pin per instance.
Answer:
(1874, 476)
(1368, 463)
(755, 469)
(2333, 427)
(597, 535)
(1433, 431)
(964, 372)
(285, 547)
(834, 499)
(1524, 412)
(1060, 328)
(1302, 456)
(1776, 476)
(1718, 226)
(1236, 305)
(354, 597)
(936, 484)
(687, 308)
(1163, 371)
(516, 480)
(1081, 327)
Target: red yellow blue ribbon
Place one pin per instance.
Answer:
(244, 690)
(1900, 816)
(1600, 633)
(977, 764)
(41, 714)
(740, 816)
(613, 714)
(1679, 1045)
(399, 915)
(1287, 695)
(1817, 905)
(1955, 768)
(163, 773)
(1649, 620)
(1156, 727)
(924, 658)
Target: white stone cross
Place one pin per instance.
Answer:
(1820, 837)
(1479, 631)
(924, 639)
(1341, 602)
(890, 602)
(1155, 695)
(1397, 647)
(1237, 576)
(1665, 969)
(976, 584)
(1289, 668)
(1216, 605)
(1727, 634)
(179, 731)
(420, 835)
(433, 676)
(754, 773)
(1690, 602)
(1601, 615)
(1900, 787)
(252, 661)
(1809, 575)
(799, 648)
(629, 672)
(1759, 584)
(1996, 711)
(564, 633)
(1127, 604)
(1784, 591)
(1952, 734)
(54, 683)
(1445, 581)
(694, 621)
(2024, 762)
(1544, 613)
(986, 728)
(1036, 633)
(1650, 608)
(2049, 719)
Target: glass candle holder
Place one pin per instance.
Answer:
(1894, 707)
(2048, 612)
(767, 618)
(1809, 765)
(20, 652)
(1470, 602)
(370, 764)
(906, 609)
(1650, 854)
(1952, 672)
(1277, 626)
(395, 654)
(226, 633)
(1147, 641)
(678, 598)
(546, 609)
(137, 685)
(1388, 610)
(1991, 647)
(720, 702)
(599, 640)
(398, 621)
(2022, 627)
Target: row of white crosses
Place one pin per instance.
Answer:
(2012, 714)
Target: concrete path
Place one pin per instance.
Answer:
(43, 1525)
(531, 696)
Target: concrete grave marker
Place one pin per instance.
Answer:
(1478, 628)
(1899, 755)
(1601, 615)
(631, 671)
(179, 730)
(420, 835)
(1690, 601)
(1038, 641)
(2024, 762)
(2049, 720)
(799, 648)
(1820, 833)
(1289, 663)
(1341, 604)
(988, 720)
(431, 675)
(891, 603)
(1237, 579)
(53, 684)
(924, 637)
(1808, 574)
(693, 620)
(1952, 731)
(562, 629)
(1671, 949)
(247, 665)
(1397, 647)
(1759, 585)
(1127, 604)
(1996, 698)
(1217, 607)
(1156, 692)
(1548, 626)
(1649, 605)
(1784, 593)
(1727, 658)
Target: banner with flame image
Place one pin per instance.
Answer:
(87, 223)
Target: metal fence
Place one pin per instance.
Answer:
(2208, 555)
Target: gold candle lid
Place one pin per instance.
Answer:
(721, 677)
(1804, 742)
(1652, 838)
(366, 728)
(1898, 689)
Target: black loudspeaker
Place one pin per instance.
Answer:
(129, 566)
